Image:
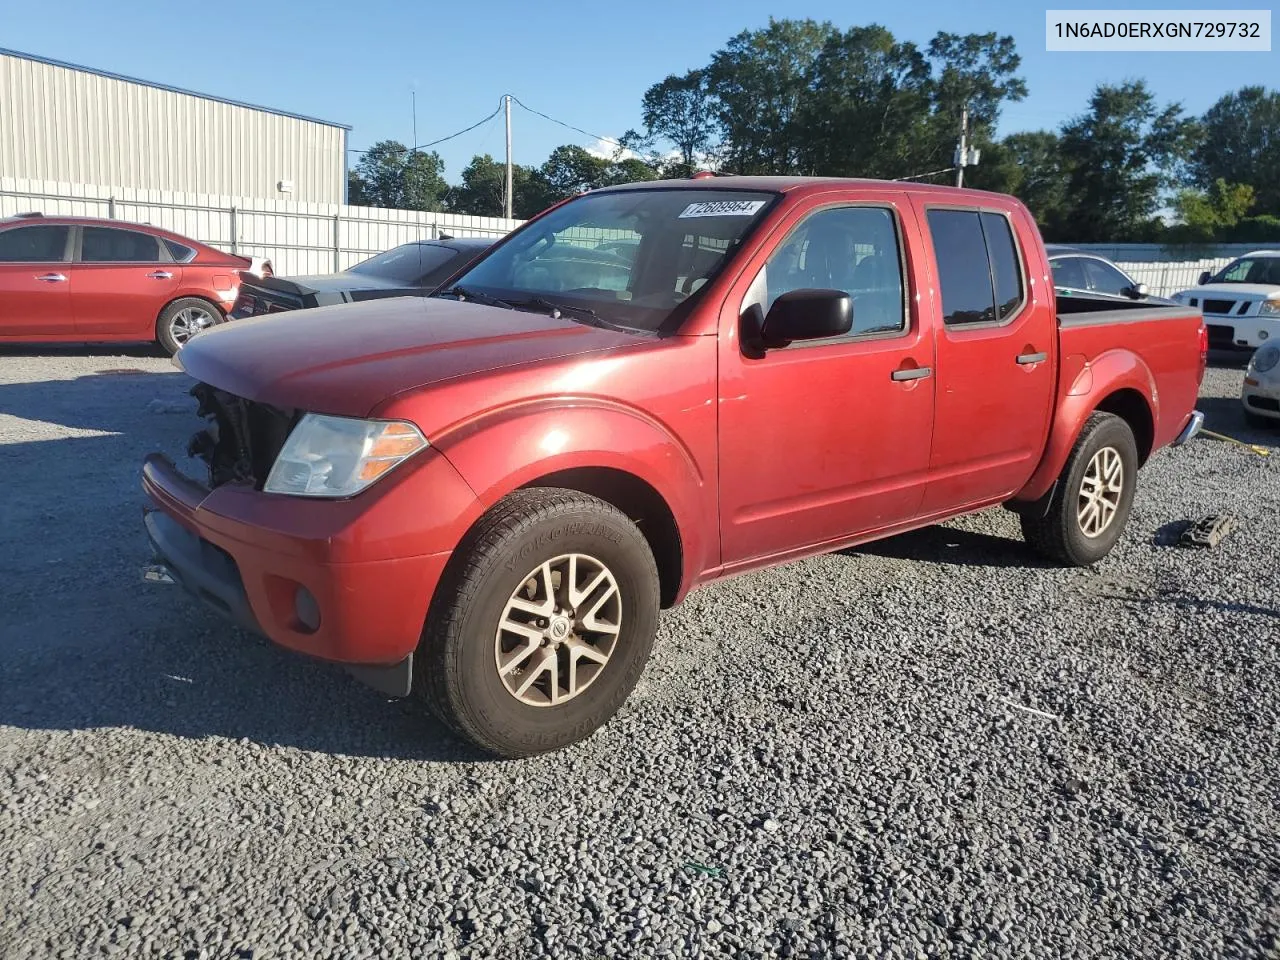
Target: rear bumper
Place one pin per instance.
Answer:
(324, 579)
(1194, 424)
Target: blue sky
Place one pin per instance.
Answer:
(585, 63)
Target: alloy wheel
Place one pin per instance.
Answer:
(1100, 491)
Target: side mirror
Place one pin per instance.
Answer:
(1204, 278)
(1137, 291)
(807, 315)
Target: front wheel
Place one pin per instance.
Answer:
(1090, 507)
(182, 320)
(542, 624)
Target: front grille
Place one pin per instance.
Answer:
(1219, 306)
(1220, 336)
(243, 438)
(1265, 403)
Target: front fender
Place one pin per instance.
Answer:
(510, 449)
(1110, 372)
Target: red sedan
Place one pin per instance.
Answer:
(80, 279)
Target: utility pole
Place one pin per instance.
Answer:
(414, 95)
(962, 154)
(506, 101)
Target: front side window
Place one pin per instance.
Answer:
(43, 244)
(110, 245)
(632, 257)
(979, 270)
(853, 249)
(1105, 278)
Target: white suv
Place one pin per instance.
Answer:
(1241, 302)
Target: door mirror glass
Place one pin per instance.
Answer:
(807, 315)
(1138, 291)
(1204, 278)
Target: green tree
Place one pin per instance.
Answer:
(977, 71)
(394, 176)
(680, 111)
(1120, 156)
(1205, 216)
(1241, 144)
(867, 109)
(355, 190)
(483, 188)
(761, 83)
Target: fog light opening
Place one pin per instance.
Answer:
(1262, 334)
(306, 609)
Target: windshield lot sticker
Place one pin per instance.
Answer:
(722, 208)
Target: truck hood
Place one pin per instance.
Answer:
(1235, 291)
(349, 358)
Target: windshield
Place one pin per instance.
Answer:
(407, 263)
(1250, 270)
(630, 257)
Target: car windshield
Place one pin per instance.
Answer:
(1250, 270)
(407, 263)
(628, 257)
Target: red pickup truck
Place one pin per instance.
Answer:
(485, 497)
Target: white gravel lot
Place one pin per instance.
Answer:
(933, 746)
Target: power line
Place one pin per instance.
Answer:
(921, 176)
(423, 146)
(569, 126)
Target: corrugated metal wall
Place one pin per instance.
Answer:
(69, 125)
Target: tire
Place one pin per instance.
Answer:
(500, 564)
(1061, 534)
(175, 325)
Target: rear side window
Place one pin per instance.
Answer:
(978, 267)
(180, 252)
(46, 244)
(109, 245)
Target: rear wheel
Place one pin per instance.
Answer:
(183, 319)
(1090, 507)
(542, 625)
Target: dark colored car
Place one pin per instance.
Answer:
(411, 269)
(83, 279)
(1081, 272)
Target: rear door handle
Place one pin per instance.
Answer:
(915, 373)
(53, 277)
(1032, 357)
(161, 275)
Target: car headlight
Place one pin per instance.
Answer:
(339, 456)
(1269, 308)
(1265, 358)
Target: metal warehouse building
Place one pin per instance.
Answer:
(67, 123)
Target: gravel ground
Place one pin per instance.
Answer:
(931, 746)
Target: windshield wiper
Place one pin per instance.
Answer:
(466, 293)
(555, 309)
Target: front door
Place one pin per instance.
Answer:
(122, 280)
(997, 353)
(35, 281)
(828, 438)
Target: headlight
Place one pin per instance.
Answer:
(1266, 358)
(338, 456)
(1269, 308)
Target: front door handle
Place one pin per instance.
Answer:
(1032, 357)
(915, 373)
(161, 275)
(53, 277)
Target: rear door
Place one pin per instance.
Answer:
(122, 279)
(996, 355)
(35, 281)
(829, 438)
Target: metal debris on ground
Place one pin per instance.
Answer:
(155, 573)
(1254, 447)
(702, 868)
(1209, 531)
